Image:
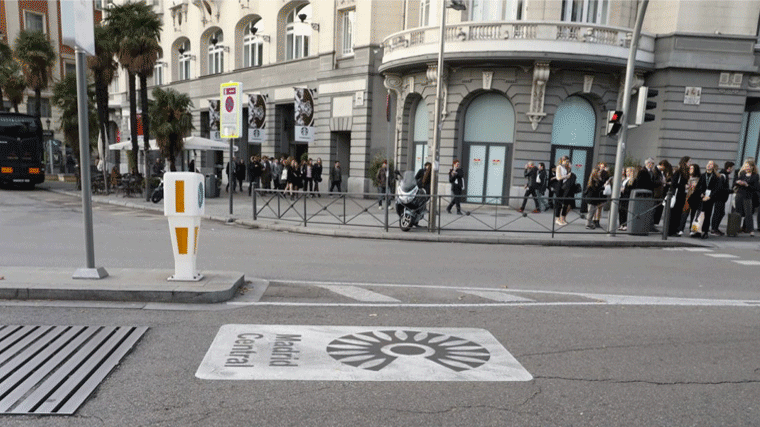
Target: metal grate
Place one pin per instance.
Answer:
(53, 369)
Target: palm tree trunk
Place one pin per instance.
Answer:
(146, 124)
(101, 96)
(133, 118)
(38, 102)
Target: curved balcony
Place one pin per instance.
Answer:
(494, 41)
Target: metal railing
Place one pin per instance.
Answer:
(361, 210)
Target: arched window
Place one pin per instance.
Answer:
(216, 53)
(298, 32)
(253, 47)
(184, 60)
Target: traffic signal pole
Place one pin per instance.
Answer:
(620, 154)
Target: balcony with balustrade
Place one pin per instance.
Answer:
(503, 42)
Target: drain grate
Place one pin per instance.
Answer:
(53, 369)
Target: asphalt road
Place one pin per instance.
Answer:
(592, 363)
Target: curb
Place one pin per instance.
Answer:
(438, 238)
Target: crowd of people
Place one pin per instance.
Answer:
(698, 204)
(283, 173)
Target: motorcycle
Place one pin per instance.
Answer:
(158, 193)
(411, 201)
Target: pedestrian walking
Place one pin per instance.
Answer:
(594, 198)
(316, 172)
(531, 187)
(678, 185)
(746, 188)
(335, 177)
(381, 179)
(722, 195)
(456, 178)
(707, 189)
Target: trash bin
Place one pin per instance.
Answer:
(640, 212)
(212, 187)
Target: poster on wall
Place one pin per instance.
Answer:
(213, 119)
(304, 108)
(257, 114)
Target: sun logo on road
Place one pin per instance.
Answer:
(374, 350)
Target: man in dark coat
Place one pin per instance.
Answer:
(531, 187)
(239, 174)
(335, 176)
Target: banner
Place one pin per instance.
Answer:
(304, 107)
(231, 117)
(213, 119)
(257, 114)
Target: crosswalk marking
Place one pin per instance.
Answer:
(745, 262)
(499, 296)
(359, 294)
(722, 255)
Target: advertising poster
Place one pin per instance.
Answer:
(213, 119)
(257, 114)
(304, 108)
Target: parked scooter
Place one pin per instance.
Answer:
(411, 201)
(158, 193)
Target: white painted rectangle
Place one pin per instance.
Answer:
(743, 262)
(359, 294)
(722, 255)
(499, 296)
(358, 353)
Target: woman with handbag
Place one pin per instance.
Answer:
(594, 198)
(746, 187)
(562, 174)
(678, 183)
(625, 194)
(706, 190)
(693, 202)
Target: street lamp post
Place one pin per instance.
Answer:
(50, 146)
(437, 125)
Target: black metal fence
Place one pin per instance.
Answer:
(361, 210)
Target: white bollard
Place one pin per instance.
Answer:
(184, 204)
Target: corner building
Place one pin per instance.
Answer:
(523, 80)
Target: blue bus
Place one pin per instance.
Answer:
(22, 160)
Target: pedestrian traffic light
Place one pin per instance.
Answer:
(614, 121)
(643, 104)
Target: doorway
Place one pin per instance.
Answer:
(342, 142)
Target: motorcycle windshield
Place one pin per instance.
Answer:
(408, 182)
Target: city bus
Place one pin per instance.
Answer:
(22, 159)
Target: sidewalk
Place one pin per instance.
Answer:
(362, 219)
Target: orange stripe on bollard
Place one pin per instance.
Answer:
(181, 240)
(179, 197)
(195, 242)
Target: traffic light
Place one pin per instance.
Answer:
(614, 122)
(643, 104)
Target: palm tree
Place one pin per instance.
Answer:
(14, 84)
(137, 31)
(37, 56)
(6, 58)
(171, 120)
(104, 68)
(65, 98)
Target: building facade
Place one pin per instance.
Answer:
(524, 80)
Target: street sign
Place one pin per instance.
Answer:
(358, 353)
(230, 110)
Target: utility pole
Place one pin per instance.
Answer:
(620, 154)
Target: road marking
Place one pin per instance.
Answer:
(743, 262)
(722, 255)
(358, 353)
(697, 249)
(498, 296)
(359, 294)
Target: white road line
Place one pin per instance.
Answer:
(722, 255)
(498, 296)
(742, 262)
(697, 249)
(359, 294)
